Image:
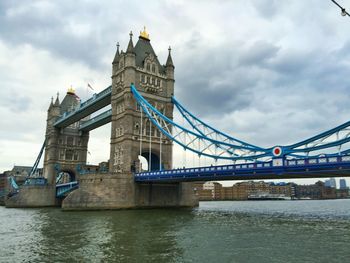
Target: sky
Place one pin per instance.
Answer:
(268, 72)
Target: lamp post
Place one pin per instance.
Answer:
(343, 11)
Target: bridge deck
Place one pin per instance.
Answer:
(97, 102)
(97, 121)
(276, 169)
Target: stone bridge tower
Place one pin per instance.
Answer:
(140, 65)
(66, 148)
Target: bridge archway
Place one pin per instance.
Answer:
(65, 176)
(154, 163)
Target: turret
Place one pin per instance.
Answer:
(57, 102)
(115, 62)
(169, 66)
(54, 109)
(169, 71)
(130, 60)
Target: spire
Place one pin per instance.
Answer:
(116, 57)
(51, 104)
(57, 102)
(169, 61)
(130, 48)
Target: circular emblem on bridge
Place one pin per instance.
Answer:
(277, 151)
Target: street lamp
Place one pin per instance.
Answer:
(343, 11)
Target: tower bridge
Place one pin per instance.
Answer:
(142, 107)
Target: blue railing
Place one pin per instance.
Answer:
(275, 167)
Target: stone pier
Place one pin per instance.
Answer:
(118, 191)
(33, 196)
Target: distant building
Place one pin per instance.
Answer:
(342, 184)
(22, 172)
(244, 190)
(343, 191)
(282, 188)
(208, 191)
(331, 183)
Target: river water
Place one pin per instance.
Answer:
(249, 231)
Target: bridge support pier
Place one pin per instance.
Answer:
(119, 191)
(33, 196)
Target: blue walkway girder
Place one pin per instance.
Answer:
(275, 169)
(97, 121)
(97, 102)
(63, 190)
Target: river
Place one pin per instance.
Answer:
(247, 231)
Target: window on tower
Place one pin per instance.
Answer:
(69, 154)
(69, 141)
(153, 68)
(148, 67)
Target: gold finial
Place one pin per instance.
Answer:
(71, 90)
(144, 34)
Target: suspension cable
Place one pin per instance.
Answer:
(141, 131)
(160, 150)
(150, 147)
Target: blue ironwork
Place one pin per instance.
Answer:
(35, 181)
(206, 130)
(36, 163)
(335, 142)
(13, 183)
(96, 102)
(14, 188)
(63, 189)
(97, 121)
(196, 142)
(59, 177)
(279, 168)
(332, 142)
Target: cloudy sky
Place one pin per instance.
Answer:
(268, 72)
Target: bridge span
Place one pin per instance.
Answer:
(275, 169)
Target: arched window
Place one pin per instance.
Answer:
(148, 67)
(153, 68)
